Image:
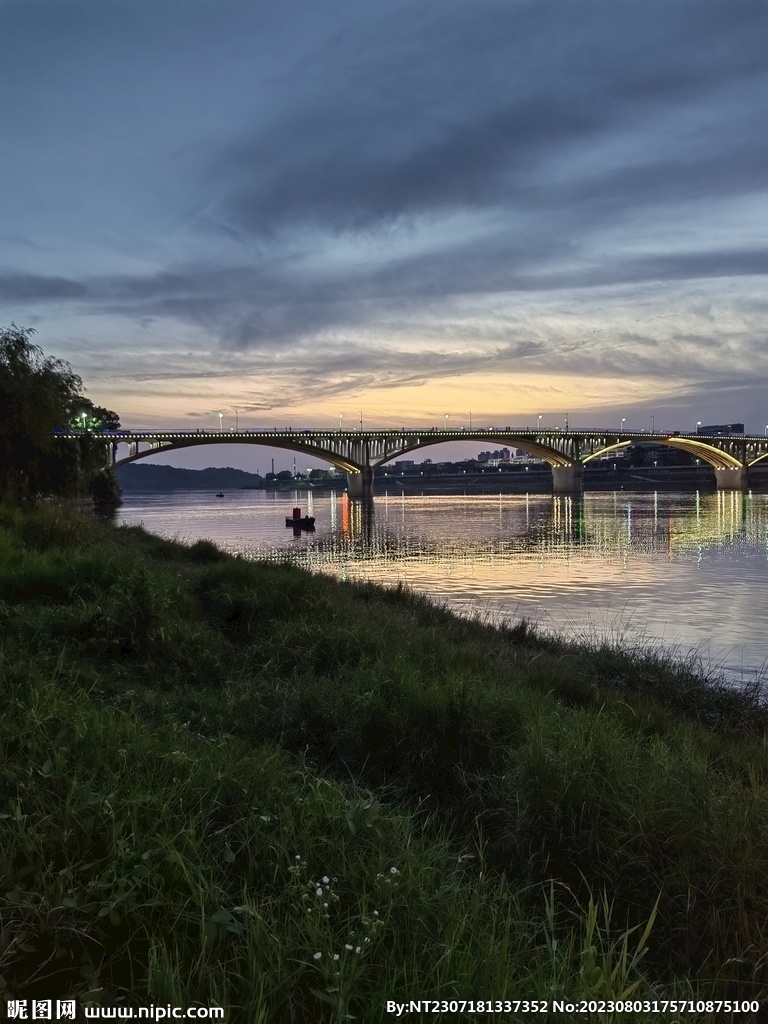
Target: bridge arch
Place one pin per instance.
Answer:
(730, 471)
(526, 444)
(264, 441)
(604, 451)
(716, 457)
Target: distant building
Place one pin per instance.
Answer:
(522, 458)
(404, 465)
(494, 458)
(721, 429)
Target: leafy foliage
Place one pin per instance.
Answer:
(39, 394)
(87, 416)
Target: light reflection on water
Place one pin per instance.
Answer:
(689, 570)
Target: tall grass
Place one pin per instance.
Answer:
(235, 782)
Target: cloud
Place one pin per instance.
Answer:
(24, 287)
(398, 193)
(454, 107)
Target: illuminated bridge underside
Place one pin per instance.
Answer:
(360, 453)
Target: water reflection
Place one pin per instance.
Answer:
(601, 524)
(689, 569)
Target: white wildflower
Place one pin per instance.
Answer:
(326, 879)
(316, 956)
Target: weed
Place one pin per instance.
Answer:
(236, 783)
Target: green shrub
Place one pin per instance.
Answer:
(193, 742)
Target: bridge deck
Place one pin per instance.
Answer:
(360, 452)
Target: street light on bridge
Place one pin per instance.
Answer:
(445, 422)
(221, 419)
(341, 420)
(621, 425)
(538, 423)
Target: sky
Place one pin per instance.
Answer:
(400, 210)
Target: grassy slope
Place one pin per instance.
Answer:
(192, 743)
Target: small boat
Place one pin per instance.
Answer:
(304, 523)
(300, 522)
(220, 494)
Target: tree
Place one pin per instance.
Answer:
(39, 394)
(92, 417)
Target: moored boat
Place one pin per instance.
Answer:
(298, 521)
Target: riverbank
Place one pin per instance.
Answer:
(537, 479)
(217, 770)
(427, 478)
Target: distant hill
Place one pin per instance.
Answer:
(136, 477)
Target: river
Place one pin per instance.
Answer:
(686, 571)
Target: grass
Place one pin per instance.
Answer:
(235, 783)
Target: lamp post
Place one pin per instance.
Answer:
(566, 421)
(221, 419)
(361, 419)
(237, 426)
(621, 425)
(538, 423)
(653, 424)
(698, 424)
(445, 422)
(341, 420)
(766, 430)
(83, 418)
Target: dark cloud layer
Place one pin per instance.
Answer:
(463, 106)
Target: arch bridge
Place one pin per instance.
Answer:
(360, 452)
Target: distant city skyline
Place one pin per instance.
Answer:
(303, 211)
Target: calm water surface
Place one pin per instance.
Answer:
(687, 570)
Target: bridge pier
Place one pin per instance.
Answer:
(568, 479)
(360, 485)
(732, 479)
